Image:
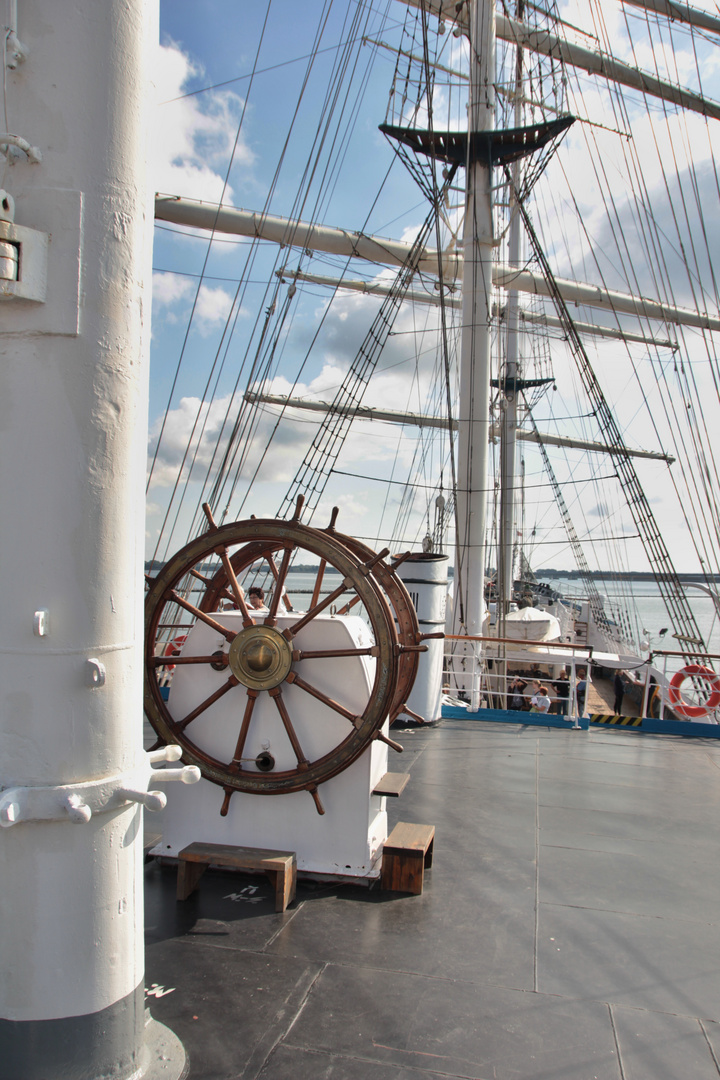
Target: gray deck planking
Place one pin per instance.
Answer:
(567, 930)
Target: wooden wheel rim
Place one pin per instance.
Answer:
(271, 536)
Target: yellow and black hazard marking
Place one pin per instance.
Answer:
(611, 718)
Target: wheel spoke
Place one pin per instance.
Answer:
(235, 586)
(295, 679)
(291, 631)
(302, 761)
(200, 577)
(316, 799)
(229, 635)
(244, 728)
(344, 610)
(318, 583)
(225, 594)
(280, 576)
(170, 661)
(321, 654)
(413, 715)
(389, 742)
(182, 724)
(274, 571)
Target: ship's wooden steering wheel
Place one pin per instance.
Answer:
(260, 658)
(405, 616)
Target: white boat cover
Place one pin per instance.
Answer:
(531, 624)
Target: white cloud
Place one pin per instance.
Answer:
(213, 307)
(169, 288)
(198, 432)
(192, 137)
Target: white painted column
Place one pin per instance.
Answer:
(73, 432)
(426, 579)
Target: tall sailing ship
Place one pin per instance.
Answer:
(552, 203)
(534, 399)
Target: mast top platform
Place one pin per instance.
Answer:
(489, 147)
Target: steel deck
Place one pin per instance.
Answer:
(568, 930)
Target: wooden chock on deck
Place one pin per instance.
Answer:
(407, 853)
(280, 867)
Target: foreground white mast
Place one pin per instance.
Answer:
(75, 318)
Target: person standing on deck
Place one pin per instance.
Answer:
(619, 686)
(516, 698)
(562, 693)
(581, 690)
(541, 700)
(532, 688)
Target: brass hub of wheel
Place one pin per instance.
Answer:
(260, 657)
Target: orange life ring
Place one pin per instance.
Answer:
(174, 648)
(680, 705)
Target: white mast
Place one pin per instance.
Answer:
(74, 296)
(474, 409)
(509, 398)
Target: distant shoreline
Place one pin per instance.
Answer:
(627, 575)
(153, 567)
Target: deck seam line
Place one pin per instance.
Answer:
(349, 1056)
(601, 851)
(254, 1068)
(633, 914)
(439, 978)
(537, 868)
(617, 1041)
(710, 1045)
(305, 998)
(286, 922)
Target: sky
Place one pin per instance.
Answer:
(232, 80)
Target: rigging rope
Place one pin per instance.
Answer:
(658, 556)
(314, 472)
(594, 598)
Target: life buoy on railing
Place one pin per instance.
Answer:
(174, 648)
(681, 707)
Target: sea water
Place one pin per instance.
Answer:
(640, 599)
(645, 598)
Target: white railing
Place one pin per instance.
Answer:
(661, 687)
(467, 672)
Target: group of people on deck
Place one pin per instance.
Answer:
(532, 691)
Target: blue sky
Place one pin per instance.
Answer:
(209, 49)
(199, 132)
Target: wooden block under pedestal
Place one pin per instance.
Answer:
(407, 853)
(280, 867)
